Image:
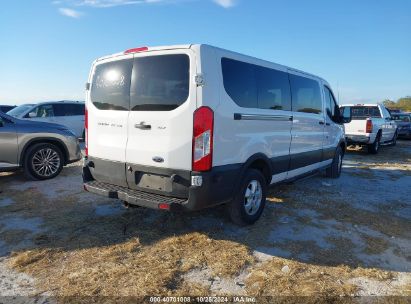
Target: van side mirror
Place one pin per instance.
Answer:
(345, 115)
(32, 115)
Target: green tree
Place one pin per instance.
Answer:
(404, 103)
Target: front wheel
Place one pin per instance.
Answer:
(43, 161)
(248, 205)
(334, 171)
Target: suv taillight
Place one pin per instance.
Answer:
(203, 139)
(86, 130)
(368, 126)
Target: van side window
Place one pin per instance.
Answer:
(305, 94)
(160, 83)
(110, 89)
(240, 82)
(273, 89)
(253, 86)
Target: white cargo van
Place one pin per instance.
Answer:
(194, 126)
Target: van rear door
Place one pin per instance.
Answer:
(160, 123)
(108, 110)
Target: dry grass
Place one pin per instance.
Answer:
(131, 269)
(318, 282)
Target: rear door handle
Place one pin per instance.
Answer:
(142, 126)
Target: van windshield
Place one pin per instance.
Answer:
(152, 83)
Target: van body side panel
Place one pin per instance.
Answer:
(240, 132)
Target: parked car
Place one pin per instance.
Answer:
(198, 126)
(371, 126)
(6, 108)
(403, 121)
(66, 113)
(41, 149)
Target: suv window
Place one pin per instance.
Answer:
(306, 95)
(110, 89)
(160, 83)
(42, 111)
(68, 109)
(401, 117)
(253, 86)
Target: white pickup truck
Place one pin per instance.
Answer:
(371, 126)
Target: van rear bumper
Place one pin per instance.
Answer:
(217, 188)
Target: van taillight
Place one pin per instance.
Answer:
(86, 130)
(203, 139)
(368, 127)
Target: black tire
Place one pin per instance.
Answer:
(394, 140)
(54, 163)
(334, 171)
(375, 146)
(237, 207)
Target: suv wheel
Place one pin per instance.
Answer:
(373, 148)
(248, 205)
(334, 171)
(43, 161)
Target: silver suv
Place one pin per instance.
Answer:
(41, 149)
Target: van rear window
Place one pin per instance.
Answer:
(110, 89)
(160, 83)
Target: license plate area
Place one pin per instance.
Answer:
(152, 181)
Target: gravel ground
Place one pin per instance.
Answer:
(362, 219)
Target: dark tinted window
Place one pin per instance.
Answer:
(240, 82)
(68, 109)
(110, 89)
(253, 86)
(160, 83)
(364, 112)
(330, 102)
(273, 89)
(305, 94)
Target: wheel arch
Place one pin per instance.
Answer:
(44, 140)
(260, 162)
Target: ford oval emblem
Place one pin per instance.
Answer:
(158, 159)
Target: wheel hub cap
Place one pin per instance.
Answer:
(45, 162)
(252, 197)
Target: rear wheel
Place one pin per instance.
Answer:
(334, 171)
(374, 147)
(248, 205)
(43, 161)
(394, 139)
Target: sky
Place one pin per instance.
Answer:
(361, 47)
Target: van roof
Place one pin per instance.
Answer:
(188, 46)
